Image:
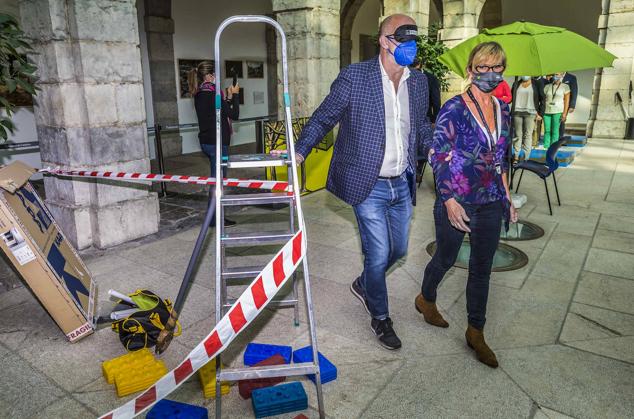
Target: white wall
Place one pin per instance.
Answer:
(367, 23)
(580, 16)
(195, 23)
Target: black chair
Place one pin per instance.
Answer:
(543, 170)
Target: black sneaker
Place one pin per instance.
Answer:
(358, 292)
(385, 332)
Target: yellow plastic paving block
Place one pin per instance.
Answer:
(207, 376)
(138, 377)
(136, 358)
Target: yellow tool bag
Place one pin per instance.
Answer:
(140, 318)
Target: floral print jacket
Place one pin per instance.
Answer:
(464, 167)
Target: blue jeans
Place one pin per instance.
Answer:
(210, 151)
(383, 220)
(485, 224)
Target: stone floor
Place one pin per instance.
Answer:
(562, 326)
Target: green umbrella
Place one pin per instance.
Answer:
(533, 50)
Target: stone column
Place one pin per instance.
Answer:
(312, 35)
(90, 114)
(606, 117)
(460, 22)
(417, 9)
(159, 29)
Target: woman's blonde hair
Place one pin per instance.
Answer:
(485, 50)
(197, 75)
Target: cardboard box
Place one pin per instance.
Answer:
(45, 259)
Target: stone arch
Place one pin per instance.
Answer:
(348, 14)
(491, 14)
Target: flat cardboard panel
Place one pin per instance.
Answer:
(46, 260)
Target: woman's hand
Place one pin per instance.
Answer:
(232, 90)
(539, 117)
(457, 215)
(515, 216)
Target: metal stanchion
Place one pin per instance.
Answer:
(159, 157)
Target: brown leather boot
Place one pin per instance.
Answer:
(430, 312)
(475, 340)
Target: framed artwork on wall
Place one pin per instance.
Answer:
(233, 67)
(255, 69)
(184, 68)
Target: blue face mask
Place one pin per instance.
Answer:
(405, 53)
(556, 78)
(487, 82)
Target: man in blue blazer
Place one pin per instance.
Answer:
(382, 110)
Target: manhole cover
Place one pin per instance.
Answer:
(522, 230)
(507, 258)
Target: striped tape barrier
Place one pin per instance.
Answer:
(153, 177)
(252, 301)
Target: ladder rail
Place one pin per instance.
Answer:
(292, 173)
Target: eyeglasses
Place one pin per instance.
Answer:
(498, 68)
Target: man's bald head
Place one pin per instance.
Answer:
(390, 23)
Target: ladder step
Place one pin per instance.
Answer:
(275, 303)
(268, 237)
(242, 272)
(255, 160)
(237, 374)
(257, 199)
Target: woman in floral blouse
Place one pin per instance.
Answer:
(468, 155)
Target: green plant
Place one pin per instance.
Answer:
(429, 49)
(17, 75)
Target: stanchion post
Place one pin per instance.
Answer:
(259, 136)
(159, 156)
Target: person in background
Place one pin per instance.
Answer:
(503, 92)
(203, 89)
(433, 87)
(571, 80)
(468, 155)
(557, 97)
(528, 106)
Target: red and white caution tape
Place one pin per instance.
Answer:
(244, 311)
(153, 177)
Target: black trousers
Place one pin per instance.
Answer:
(485, 224)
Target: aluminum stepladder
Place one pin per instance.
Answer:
(225, 275)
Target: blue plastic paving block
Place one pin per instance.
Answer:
(327, 368)
(175, 410)
(284, 398)
(577, 141)
(257, 352)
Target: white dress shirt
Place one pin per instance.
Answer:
(397, 125)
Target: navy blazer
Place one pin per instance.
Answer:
(356, 102)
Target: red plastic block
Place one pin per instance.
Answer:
(245, 387)
(301, 416)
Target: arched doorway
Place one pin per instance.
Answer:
(349, 13)
(491, 14)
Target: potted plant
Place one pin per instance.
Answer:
(16, 74)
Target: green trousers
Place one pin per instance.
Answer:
(551, 128)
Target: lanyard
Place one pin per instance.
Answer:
(490, 138)
(554, 91)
